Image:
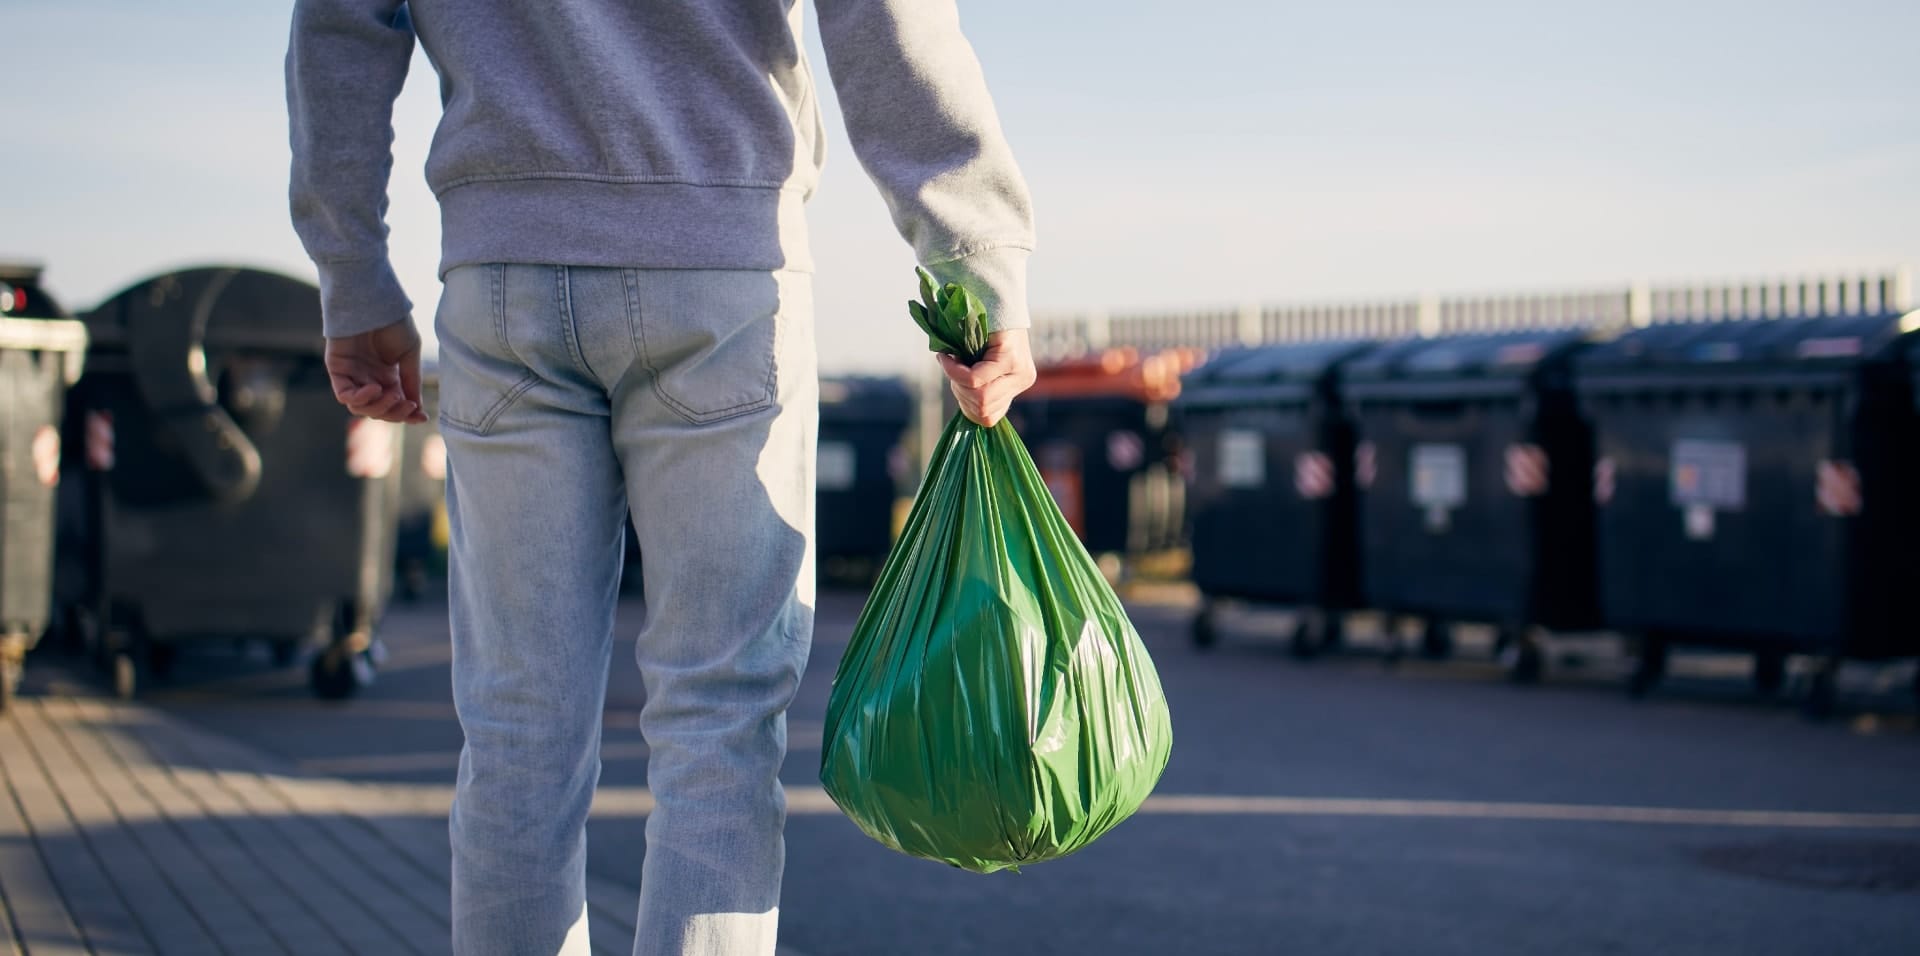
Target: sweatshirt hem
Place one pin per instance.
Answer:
(642, 225)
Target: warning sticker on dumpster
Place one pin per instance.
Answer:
(833, 466)
(1709, 474)
(1439, 477)
(1243, 458)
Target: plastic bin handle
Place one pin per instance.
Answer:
(169, 362)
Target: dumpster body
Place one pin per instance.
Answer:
(235, 498)
(1756, 485)
(1099, 430)
(1271, 503)
(861, 465)
(420, 536)
(1098, 455)
(1475, 501)
(41, 354)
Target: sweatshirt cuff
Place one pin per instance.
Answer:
(360, 295)
(997, 277)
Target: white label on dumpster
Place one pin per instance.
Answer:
(1709, 474)
(1243, 458)
(1125, 450)
(1439, 477)
(834, 468)
(1699, 522)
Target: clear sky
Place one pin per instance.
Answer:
(1181, 154)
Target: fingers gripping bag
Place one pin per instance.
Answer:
(995, 707)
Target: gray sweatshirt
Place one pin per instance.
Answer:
(673, 134)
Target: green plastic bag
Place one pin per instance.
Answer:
(995, 707)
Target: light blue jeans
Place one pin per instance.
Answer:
(569, 397)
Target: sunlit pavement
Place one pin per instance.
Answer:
(1334, 806)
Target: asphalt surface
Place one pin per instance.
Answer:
(1339, 806)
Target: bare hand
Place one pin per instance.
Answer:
(377, 374)
(987, 388)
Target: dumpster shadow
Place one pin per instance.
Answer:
(404, 729)
(1875, 697)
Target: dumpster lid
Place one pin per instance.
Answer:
(1829, 340)
(1477, 355)
(18, 270)
(1301, 362)
(1116, 374)
(1288, 373)
(1911, 323)
(230, 306)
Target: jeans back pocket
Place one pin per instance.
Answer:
(480, 375)
(708, 338)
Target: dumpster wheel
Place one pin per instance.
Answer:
(1436, 639)
(10, 674)
(1316, 632)
(126, 676)
(341, 671)
(114, 643)
(161, 658)
(1823, 691)
(1525, 656)
(1650, 666)
(347, 664)
(79, 628)
(13, 665)
(1204, 631)
(1769, 672)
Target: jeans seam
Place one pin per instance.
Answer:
(498, 408)
(563, 301)
(528, 378)
(497, 280)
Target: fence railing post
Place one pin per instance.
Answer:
(1426, 318)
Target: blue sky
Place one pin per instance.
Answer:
(1181, 154)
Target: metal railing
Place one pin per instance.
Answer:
(1636, 304)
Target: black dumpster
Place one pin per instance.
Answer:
(230, 496)
(420, 543)
(1094, 454)
(860, 466)
(1270, 503)
(41, 352)
(1475, 502)
(1099, 430)
(1756, 484)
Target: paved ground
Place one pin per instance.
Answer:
(1330, 807)
(124, 832)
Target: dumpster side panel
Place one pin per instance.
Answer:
(856, 488)
(1090, 451)
(1440, 534)
(1885, 538)
(1254, 535)
(30, 385)
(423, 486)
(277, 565)
(1712, 531)
(1760, 478)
